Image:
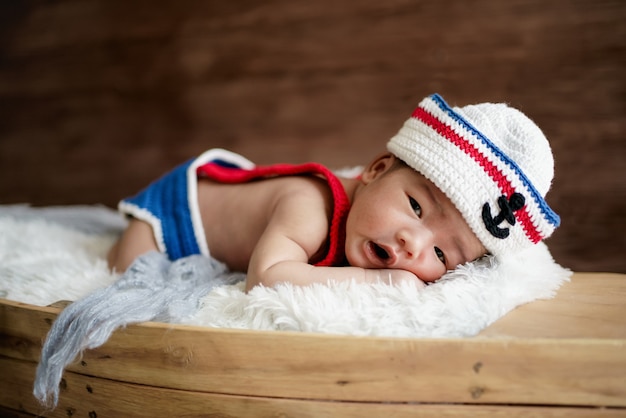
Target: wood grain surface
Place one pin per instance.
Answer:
(97, 98)
(88, 396)
(539, 360)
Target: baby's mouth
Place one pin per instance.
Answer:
(381, 253)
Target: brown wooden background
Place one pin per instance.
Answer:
(98, 97)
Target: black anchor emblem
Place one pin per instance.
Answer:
(507, 207)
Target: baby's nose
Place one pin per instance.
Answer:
(414, 241)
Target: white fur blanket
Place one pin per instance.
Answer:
(58, 253)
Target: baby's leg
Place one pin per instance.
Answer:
(136, 240)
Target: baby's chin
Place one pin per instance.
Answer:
(354, 260)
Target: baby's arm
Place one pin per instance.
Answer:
(302, 274)
(294, 234)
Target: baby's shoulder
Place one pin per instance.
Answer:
(306, 188)
(307, 191)
(302, 199)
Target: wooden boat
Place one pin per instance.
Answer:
(560, 357)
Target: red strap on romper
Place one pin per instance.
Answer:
(337, 231)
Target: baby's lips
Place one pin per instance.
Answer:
(384, 254)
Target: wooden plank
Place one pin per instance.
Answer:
(591, 305)
(23, 328)
(12, 413)
(90, 396)
(570, 372)
(561, 371)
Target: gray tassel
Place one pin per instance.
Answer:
(153, 288)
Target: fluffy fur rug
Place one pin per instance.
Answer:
(53, 254)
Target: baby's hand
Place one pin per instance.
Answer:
(396, 276)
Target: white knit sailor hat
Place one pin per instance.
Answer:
(492, 162)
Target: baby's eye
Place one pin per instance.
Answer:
(440, 255)
(415, 206)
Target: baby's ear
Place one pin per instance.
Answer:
(379, 166)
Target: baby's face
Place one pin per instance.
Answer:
(401, 220)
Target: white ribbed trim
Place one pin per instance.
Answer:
(192, 188)
(146, 216)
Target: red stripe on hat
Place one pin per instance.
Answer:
(490, 168)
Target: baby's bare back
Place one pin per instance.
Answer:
(235, 216)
